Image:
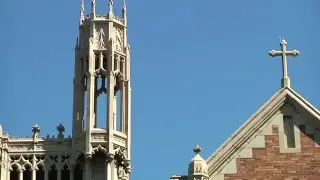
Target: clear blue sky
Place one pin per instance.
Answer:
(199, 69)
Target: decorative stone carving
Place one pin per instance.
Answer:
(118, 38)
(98, 137)
(100, 36)
(99, 148)
(19, 147)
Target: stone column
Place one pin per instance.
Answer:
(71, 172)
(34, 173)
(59, 173)
(34, 160)
(21, 175)
(46, 174)
(115, 117)
(7, 166)
(8, 175)
(88, 168)
(107, 171)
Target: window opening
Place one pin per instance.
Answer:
(101, 103)
(289, 131)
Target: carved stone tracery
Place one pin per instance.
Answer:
(118, 38)
(100, 39)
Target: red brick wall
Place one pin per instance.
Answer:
(268, 163)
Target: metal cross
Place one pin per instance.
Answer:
(284, 53)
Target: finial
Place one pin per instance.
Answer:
(93, 6)
(110, 6)
(197, 149)
(124, 4)
(60, 129)
(124, 11)
(82, 12)
(0, 129)
(283, 42)
(35, 131)
(82, 5)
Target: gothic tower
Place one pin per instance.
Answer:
(102, 73)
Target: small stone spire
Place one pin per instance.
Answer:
(82, 16)
(93, 7)
(35, 131)
(124, 11)
(1, 131)
(77, 43)
(198, 168)
(110, 5)
(60, 129)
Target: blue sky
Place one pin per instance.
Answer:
(199, 69)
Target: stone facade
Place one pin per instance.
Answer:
(102, 67)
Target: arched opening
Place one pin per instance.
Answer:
(118, 116)
(98, 165)
(53, 173)
(101, 106)
(14, 174)
(40, 173)
(65, 173)
(105, 62)
(27, 173)
(85, 105)
(78, 172)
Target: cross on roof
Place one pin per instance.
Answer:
(285, 81)
(197, 149)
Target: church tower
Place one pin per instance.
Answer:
(99, 148)
(101, 141)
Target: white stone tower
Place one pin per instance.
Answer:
(102, 67)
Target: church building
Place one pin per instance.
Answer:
(102, 66)
(281, 140)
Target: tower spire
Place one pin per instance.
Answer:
(93, 7)
(124, 11)
(110, 7)
(124, 4)
(82, 12)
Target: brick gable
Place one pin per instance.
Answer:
(269, 163)
(276, 142)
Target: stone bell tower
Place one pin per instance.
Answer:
(102, 70)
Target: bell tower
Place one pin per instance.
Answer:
(102, 70)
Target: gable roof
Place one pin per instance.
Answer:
(252, 125)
